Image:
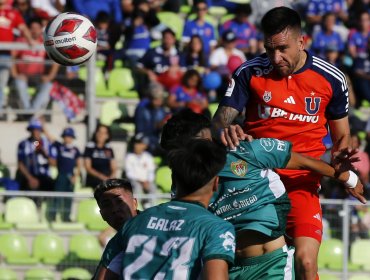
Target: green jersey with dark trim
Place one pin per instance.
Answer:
(173, 241)
(251, 195)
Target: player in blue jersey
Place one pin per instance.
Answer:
(252, 197)
(181, 239)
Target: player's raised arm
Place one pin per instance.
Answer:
(215, 270)
(222, 128)
(348, 178)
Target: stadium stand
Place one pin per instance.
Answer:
(48, 248)
(85, 247)
(7, 274)
(89, 214)
(14, 249)
(163, 179)
(359, 255)
(76, 273)
(39, 274)
(23, 214)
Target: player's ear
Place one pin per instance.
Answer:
(135, 203)
(301, 42)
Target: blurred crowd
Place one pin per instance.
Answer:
(181, 54)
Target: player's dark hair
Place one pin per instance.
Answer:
(195, 164)
(111, 184)
(181, 127)
(278, 19)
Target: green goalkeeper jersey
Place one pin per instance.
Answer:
(251, 195)
(173, 241)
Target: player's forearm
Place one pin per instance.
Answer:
(224, 117)
(340, 134)
(298, 161)
(215, 270)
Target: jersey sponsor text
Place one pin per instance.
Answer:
(265, 112)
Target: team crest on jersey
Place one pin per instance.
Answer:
(312, 105)
(229, 242)
(239, 168)
(267, 96)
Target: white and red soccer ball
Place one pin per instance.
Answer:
(70, 39)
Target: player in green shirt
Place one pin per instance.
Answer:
(117, 205)
(181, 239)
(252, 197)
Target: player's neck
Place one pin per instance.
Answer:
(194, 198)
(302, 61)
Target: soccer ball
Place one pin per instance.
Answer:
(70, 39)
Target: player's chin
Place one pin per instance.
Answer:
(284, 71)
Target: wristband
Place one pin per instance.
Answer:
(352, 180)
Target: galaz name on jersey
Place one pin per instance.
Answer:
(164, 224)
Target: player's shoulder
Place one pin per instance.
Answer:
(328, 71)
(257, 66)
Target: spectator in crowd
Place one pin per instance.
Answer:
(199, 26)
(162, 63)
(367, 131)
(67, 158)
(9, 20)
(220, 56)
(91, 8)
(28, 11)
(188, 94)
(331, 54)
(355, 8)
(316, 9)
(70, 78)
(151, 115)
(33, 159)
(260, 7)
(361, 76)
(140, 167)
(327, 37)
(32, 71)
(359, 38)
(363, 165)
(104, 48)
(117, 205)
(99, 159)
(245, 32)
(137, 38)
(51, 7)
(193, 56)
(151, 18)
